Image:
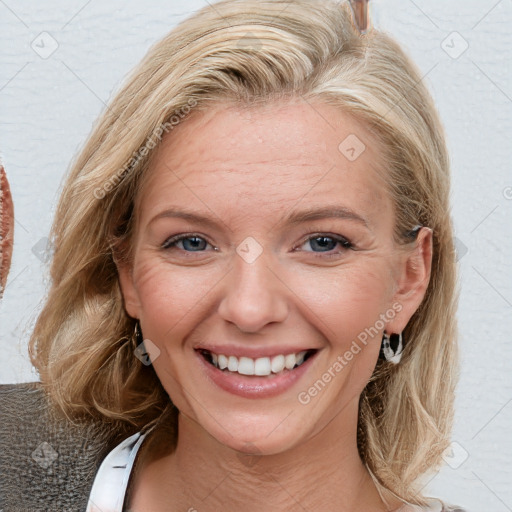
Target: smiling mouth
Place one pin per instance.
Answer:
(261, 366)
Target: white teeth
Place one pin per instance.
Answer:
(232, 364)
(246, 366)
(300, 357)
(263, 366)
(277, 364)
(289, 361)
(223, 362)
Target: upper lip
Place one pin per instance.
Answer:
(252, 352)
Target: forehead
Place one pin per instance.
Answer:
(267, 157)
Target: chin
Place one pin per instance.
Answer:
(257, 435)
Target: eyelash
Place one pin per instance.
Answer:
(345, 243)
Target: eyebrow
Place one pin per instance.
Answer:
(327, 212)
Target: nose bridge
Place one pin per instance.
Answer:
(254, 295)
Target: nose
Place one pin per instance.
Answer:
(254, 295)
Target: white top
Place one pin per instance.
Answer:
(111, 481)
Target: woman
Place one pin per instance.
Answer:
(254, 276)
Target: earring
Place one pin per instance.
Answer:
(137, 335)
(387, 352)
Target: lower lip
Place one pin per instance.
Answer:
(255, 386)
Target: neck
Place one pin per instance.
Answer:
(205, 475)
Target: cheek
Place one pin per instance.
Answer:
(345, 300)
(167, 294)
(352, 315)
(345, 305)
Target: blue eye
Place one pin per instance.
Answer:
(327, 243)
(196, 246)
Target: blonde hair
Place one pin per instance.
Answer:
(250, 52)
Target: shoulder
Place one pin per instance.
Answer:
(47, 463)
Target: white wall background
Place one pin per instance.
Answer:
(48, 106)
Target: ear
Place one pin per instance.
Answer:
(413, 280)
(128, 290)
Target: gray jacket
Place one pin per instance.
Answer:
(46, 463)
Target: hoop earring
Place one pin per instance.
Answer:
(137, 335)
(387, 352)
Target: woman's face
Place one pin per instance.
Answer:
(256, 279)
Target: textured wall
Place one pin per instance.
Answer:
(62, 60)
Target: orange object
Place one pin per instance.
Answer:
(6, 228)
(360, 13)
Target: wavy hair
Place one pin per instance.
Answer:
(250, 52)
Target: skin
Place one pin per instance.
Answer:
(247, 169)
